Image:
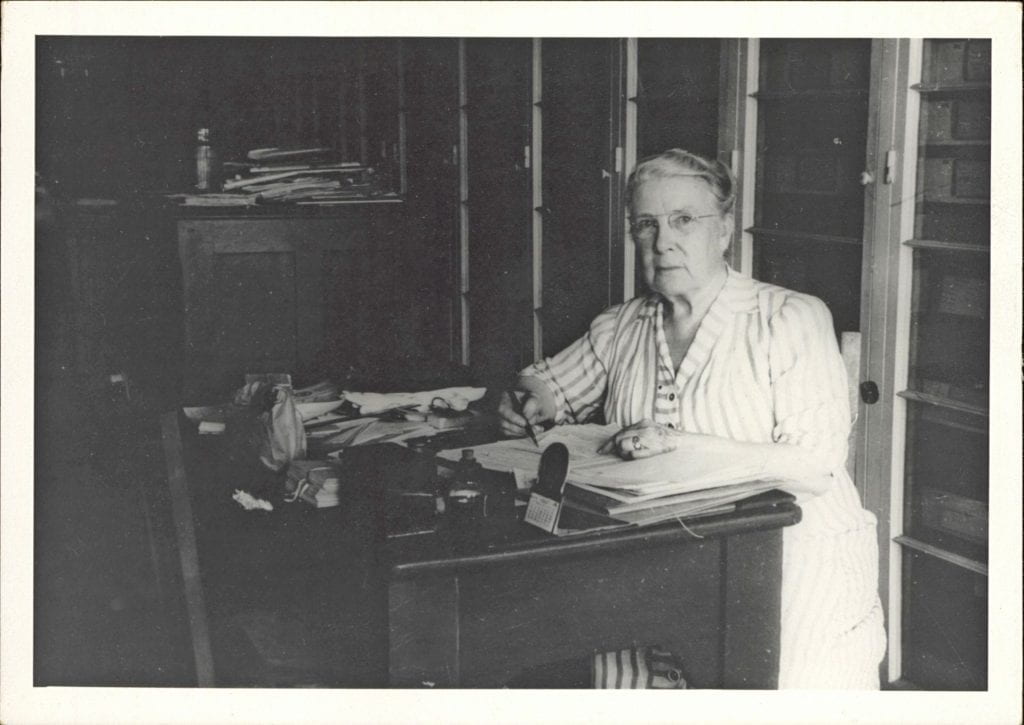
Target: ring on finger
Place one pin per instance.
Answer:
(636, 444)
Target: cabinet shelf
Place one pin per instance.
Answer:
(811, 95)
(978, 567)
(941, 402)
(959, 142)
(940, 245)
(679, 96)
(955, 201)
(792, 236)
(952, 88)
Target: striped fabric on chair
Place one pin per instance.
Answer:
(637, 668)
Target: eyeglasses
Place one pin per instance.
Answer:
(645, 228)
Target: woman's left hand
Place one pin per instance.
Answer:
(642, 440)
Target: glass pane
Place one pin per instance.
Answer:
(944, 625)
(811, 149)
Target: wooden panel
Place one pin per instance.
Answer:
(751, 567)
(275, 294)
(424, 633)
(254, 311)
(519, 617)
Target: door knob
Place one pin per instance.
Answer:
(869, 392)
(866, 177)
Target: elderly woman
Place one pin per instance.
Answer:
(711, 352)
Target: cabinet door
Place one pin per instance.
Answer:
(577, 165)
(677, 95)
(277, 295)
(427, 243)
(498, 91)
(812, 136)
(673, 88)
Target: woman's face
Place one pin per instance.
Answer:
(681, 235)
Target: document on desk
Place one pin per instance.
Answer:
(701, 464)
(520, 454)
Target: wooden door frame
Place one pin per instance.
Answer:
(886, 270)
(892, 119)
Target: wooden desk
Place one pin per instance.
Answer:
(475, 611)
(458, 609)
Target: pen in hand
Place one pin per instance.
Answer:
(517, 406)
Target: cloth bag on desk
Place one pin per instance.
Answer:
(277, 430)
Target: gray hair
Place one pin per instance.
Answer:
(676, 162)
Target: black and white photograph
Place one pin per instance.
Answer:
(441, 362)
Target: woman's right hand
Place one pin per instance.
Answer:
(534, 400)
(513, 424)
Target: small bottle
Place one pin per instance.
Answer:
(204, 160)
(466, 494)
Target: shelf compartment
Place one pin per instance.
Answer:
(955, 515)
(957, 143)
(953, 88)
(941, 246)
(947, 482)
(959, 223)
(978, 567)
(803, 237)
(945, 622)
(955, 201)
(811, 95)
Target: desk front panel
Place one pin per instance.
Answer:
(714, 603)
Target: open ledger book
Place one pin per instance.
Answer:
(703, 477)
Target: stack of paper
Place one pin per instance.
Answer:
(703, 477)
(279, 175)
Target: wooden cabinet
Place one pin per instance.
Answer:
(551, 128)
(294, 294)
(945, 484)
